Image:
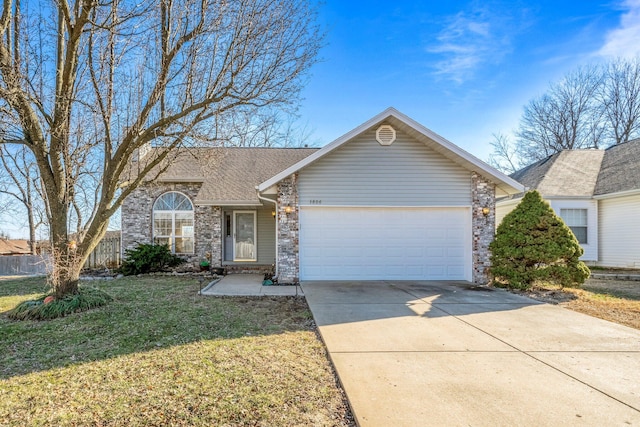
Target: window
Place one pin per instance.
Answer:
(576, 219)
(173, 223)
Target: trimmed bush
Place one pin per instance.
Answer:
(146, 258)
(532, 243)
(47, 307)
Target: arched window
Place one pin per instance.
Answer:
(173, 222)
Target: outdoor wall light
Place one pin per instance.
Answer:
(288, 209)
(485, 211)
(273, 214)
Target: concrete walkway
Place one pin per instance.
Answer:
(248, 285)
(428, 353)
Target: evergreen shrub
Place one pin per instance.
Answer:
(146, 258)
(532, 243)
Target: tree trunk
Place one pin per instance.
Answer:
(67, 259)
(66, 269)
(65, 279)
(32, 232)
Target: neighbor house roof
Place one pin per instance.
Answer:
(229, 175)
(504, 184)
(585, 173)
(570, 173)
(620, 169)
(14, 247)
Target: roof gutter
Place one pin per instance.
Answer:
(618, 194)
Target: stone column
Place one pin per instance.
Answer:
(135, 217)
(208, 234)
(216, 241)
(483, 194)
(288, 231)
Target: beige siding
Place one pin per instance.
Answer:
(364, 173)
(619, 232)
(266, 236)
(503, 208)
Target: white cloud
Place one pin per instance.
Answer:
(624, 41)
(469, 40)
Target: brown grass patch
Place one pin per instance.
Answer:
(612, 300)
(161, 355)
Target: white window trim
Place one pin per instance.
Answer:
(590, 248)
(172, 237)
(255, 235)
(571, 226)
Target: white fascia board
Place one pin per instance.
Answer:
(618, 194)
(464, 155)
(324, 150)
(567, 197)
(483, 168)
(227, 203)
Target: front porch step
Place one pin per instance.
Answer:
(247, 269)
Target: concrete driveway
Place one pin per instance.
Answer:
(449, 353)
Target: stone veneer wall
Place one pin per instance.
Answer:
(137, 224)
(288, 231)
(483, 194)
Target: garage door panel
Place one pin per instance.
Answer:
(385, 243)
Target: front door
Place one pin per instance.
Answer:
(244, 236)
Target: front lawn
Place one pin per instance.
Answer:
(161, 355)
(612, 300)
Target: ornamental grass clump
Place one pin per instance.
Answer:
(48, 307)
(533, 244)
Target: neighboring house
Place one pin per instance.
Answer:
(14, 247)
(597, 193)
(388, 200)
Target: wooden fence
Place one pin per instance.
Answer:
(106, 254)
(11, 265)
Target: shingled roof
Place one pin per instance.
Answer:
(14, 247)
(570, 173)
(230, 175)
(620, 170)
(585, 173)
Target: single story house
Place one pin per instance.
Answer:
(388, 200)
(14, 247)
(597, 193)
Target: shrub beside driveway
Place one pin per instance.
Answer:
(161, 355)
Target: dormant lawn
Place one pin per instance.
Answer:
(159, 354)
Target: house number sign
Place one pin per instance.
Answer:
(315, 202)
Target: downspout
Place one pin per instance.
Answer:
(275, 205)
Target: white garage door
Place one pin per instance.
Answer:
(385, 243)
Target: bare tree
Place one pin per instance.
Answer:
(87, 84)
(21, 183)
(263, 128)
(504, 156)
(620, 100)
(593, 107)
(566, 117)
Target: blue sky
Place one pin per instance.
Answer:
(464, 69)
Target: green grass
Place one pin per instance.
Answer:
(46, 307)
(161, 355)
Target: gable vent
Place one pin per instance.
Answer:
(385, 135)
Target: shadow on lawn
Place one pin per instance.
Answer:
(148, 313)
